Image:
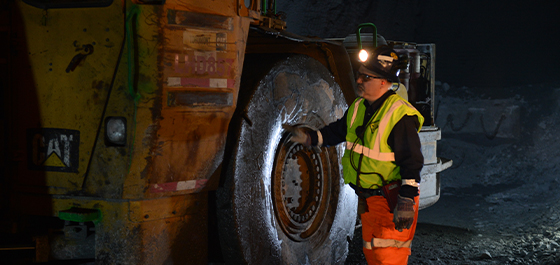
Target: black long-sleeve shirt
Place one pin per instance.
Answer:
(403, 140)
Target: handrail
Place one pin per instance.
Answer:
(358, 38)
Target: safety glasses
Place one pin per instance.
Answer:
(366, 77)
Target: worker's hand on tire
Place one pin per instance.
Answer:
(298, 135)
(403, 215)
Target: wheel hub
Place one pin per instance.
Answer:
(300, 189)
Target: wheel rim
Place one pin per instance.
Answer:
(300, 189)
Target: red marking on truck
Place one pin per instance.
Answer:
(201, 63)
(178, 186)
(200, 82)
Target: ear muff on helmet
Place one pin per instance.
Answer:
(385, 62)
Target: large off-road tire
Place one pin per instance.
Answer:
(282, 203)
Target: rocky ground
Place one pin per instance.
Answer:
(500, 201)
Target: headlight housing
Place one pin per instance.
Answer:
(115, 131)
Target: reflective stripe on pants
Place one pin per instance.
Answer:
(383, 243)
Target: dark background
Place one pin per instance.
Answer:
(483, 44)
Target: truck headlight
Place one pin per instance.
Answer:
(115, 131)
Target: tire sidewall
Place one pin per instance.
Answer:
(298, 90)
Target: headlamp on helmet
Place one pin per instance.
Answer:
(363, 55)
(381, 60)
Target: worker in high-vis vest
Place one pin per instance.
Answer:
(383, 157)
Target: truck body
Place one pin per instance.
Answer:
(149, 132)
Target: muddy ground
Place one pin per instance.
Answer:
(500, 201)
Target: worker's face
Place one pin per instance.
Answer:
(371, 87)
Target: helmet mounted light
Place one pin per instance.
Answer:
(363, 55)
(381, 60)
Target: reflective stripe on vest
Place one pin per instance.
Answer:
(384, 243)
(356, 105)
(360, 149)
(375, 153)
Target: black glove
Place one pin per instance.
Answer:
(403, 215)
(298, 135)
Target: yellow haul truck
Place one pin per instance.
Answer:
(141, 132)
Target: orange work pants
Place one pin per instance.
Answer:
(389, 245)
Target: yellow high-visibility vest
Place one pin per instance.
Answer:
(378, 156)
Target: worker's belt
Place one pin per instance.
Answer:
(366, 193)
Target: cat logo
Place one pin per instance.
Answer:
(53, 149)
(373, 126)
